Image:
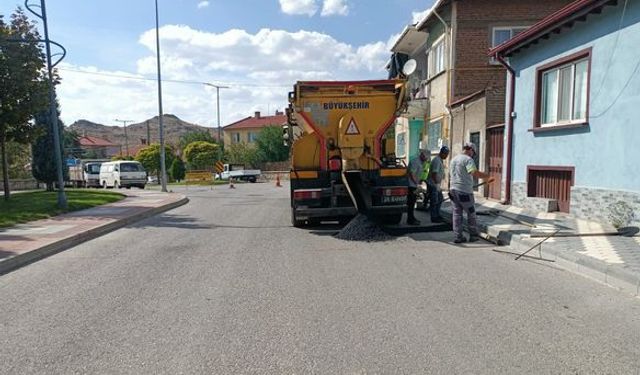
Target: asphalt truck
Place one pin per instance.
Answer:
(343, 159)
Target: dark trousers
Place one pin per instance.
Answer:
(436, 198)
(463, 202)
(411, 203)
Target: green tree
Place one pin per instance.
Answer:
(19, 156)
(149, 157)
(44, 167)
(195, 136)
(242, 153)
(271, 145)
(23, 86)
(201, 155)
(177, 169)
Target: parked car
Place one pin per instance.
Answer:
(122, 173)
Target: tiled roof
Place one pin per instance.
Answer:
(89, 141)
(257, 122)
(555, 22)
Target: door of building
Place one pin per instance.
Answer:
(495, 151)
(415, 137)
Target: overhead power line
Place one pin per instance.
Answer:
(122, 76)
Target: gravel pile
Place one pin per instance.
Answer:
(361, 228)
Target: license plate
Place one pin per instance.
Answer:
(394, 199)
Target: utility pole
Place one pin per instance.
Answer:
(53, 111)
(163, 167)
(148, 134)
(126, 139)
(218, 87)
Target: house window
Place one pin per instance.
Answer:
(502, 34)
(436, 57)
(252, 137)
(236, 137)
(563, 91)
(434, 135)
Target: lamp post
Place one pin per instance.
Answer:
(53, 111)
(218, 87)
(163, 167)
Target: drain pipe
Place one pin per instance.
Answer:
(512, 97)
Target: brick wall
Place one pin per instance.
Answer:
(473, 27)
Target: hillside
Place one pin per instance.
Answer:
(173, 129)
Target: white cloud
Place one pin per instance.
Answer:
(419, 16)
(260, 69)
(299, 7)
(203, 4)
(335, 7)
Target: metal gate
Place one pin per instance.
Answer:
(495, 151)
(552, 183)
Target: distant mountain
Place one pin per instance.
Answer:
(174, 128)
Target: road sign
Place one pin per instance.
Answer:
(198, 177)
(219, 167)
(72, 162)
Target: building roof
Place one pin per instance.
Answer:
(89, 141)
(554, 23)
(257, 122)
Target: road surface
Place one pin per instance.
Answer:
(225, 285)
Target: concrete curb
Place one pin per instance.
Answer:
(610, 274)
(22, 260)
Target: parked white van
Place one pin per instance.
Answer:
(122, 173)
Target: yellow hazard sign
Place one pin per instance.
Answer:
(219, 167)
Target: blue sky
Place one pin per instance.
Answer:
(258, 47)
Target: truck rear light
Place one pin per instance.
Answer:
(307, 194)
(335, 165)
(394, 192)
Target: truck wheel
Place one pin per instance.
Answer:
(391, 219)
(252, 180)
(294, 221)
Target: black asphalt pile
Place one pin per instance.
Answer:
(361, 228)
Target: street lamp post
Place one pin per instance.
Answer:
(163, 167)
(218, 87)
(53, 111)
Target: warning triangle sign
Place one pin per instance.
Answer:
(352, 129)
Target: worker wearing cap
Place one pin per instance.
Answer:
(416, 168)
(435, 179)
(462, 170)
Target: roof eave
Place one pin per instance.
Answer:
(565, 17)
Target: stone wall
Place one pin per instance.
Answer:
(620, 208)
(519, 194)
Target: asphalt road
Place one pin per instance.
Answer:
(224, 285)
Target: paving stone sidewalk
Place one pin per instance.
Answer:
(25, 243)
(586, 247)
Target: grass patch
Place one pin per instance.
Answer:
(25, 207)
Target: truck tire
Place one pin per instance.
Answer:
(390, 219)
(252, 179)
(294, 221)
